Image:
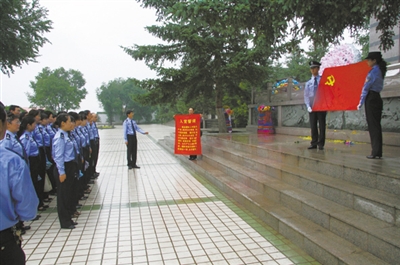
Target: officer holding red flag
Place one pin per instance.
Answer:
(316, 117)
(370, 95)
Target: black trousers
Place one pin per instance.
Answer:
(34, 162)
(373, 113)
(132, 150)
(195, 156)
(86, 157)
(51, 170)
(65, 195)
(95, 153)
(318, 137)
(10, 252)
(91, 168)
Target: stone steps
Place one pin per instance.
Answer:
(314, 202)
(377, 175)
(318, 241)
(375, 203)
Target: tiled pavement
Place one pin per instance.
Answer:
(158, 214)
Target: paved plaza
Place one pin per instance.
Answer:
(161, 213)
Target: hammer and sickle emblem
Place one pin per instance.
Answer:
(330, 80)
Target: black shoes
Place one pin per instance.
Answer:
(136, 167)
(129, 167)
(69, 227)
(373, 157)
(315, 147)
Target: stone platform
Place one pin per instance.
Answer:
(335, 204)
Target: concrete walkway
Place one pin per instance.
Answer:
(158, 214)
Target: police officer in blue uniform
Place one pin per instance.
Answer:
(370, 95)
(11, 141)
(28, 125)
(316, 117)
(18, 200)
(64, 155)
(95, 153)
(130, 130)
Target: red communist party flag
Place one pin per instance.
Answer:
(187, 134)
(340, 87)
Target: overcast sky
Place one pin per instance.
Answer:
(86, 36)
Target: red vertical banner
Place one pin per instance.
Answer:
(187, 134)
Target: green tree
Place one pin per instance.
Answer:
(119, 95)
(214, 55)
(58, 89)
(22, 27)
(219, 44)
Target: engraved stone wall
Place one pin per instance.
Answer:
(297, 116)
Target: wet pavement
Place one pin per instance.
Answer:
(161, 213)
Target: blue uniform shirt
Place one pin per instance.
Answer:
(77, 142)
(373, 82)
(10, 142)
(29, 144)
(50, 131)
(18, 199)
(37, 134)
(81, 134)
(130, 128)
(309, 92)
(63, 150)
(95, 130)
(46, 136)
(90, 131)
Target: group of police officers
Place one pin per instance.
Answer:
(36, 145)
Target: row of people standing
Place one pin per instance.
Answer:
(75, 152)
(32, 136)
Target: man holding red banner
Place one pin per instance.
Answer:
(316, 117)
(187, 135)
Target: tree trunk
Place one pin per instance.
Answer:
(220, 111)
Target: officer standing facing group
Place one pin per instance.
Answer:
(130, 131)
(18, 200)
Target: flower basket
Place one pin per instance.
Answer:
(265, 122)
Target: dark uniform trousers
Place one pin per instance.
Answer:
(132, 150)
(34, 162)
(91, 166)
(95, 153)
(50, 170)
(10, 252)
(373, 113)
(65, 194)
(318, 118)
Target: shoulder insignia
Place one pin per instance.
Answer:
(26, 136)
(40, 129)
(62, 135)
(8, 136)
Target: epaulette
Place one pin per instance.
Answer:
(62, 135)
(8, 136)
(26, 136)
